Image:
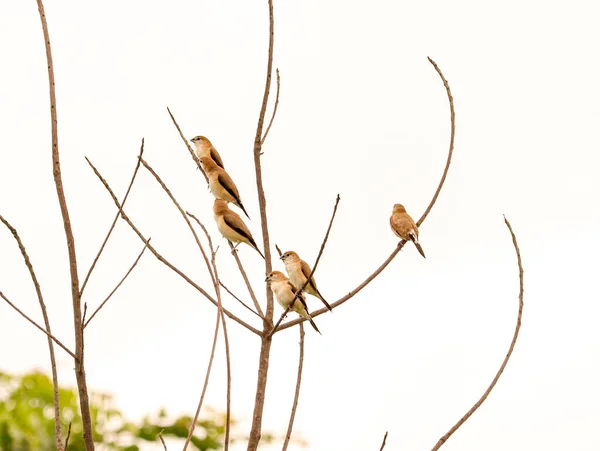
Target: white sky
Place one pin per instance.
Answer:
(363, 114)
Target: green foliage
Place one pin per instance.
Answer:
(27, 420)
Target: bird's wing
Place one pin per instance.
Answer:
(306, 271)
(216, 157)
(300, 296)
(227, 184)
(235, 222)
(396, 225)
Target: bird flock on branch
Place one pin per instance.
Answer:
(233, 228)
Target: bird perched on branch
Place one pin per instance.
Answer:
(404, 227)
(231, 225)
(221, 184)
(204, 148)
(298, 270)
(285, 293)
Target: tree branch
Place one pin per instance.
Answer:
(38, 290)
(246, 280)
(85, 323)
(187, 144)
(78, 325)
(401, 244)
(288, 435)
(238, 299)
(48, 334)
(164, 260)
(112, 226)
(508, 355)
(274, 109)
(383, 443)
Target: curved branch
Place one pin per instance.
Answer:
(274, 108)
(246, 280)
(288, 434)
(401, 244)
(164, 260)
(84, 402)
(508, 355)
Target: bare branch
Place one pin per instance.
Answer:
(85, 323)
(309, 278)
(38, 291)
(239, 300)
(78, 326)
(112, 226)
(162, 440)
(161, 258)
(274, 108)
(56, 340)
(383, 443)
(187, 144)
(68, 435)
(185, 218)
(288, 434)
(508, 355)
(401, 244)
(246, 280)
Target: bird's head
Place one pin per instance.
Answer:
(220, 206)
(200, 140)
(399, 208)
(275, 276)
(207, 163)
(289, 257)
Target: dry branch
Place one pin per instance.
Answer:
(48, 331)
(246, 280)
(274, 108)
(288, 434)
(84, 401)
(508, 355)
(85, 323)
(401, 244)
(238, 299)
(383, 443)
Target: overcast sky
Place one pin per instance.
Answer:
(363, 114)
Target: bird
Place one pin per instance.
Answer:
(204, 148)
(404, 226)
(231, 225)
(285, 293)
(298, 270)
(221, 184)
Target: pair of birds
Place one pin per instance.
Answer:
(221, 185)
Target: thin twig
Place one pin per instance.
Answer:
(84, 403)
(238, 299)
(288, 434)
(56, 340)
(508, 355)
(162, 440)
(401, 244)
(383, 443)
(246, 280)
(274, 108)
(185, 218)
(68, 435)
(187, 144)
(118, 285)
(112, 226)
(84, 314)
(309, 278)
(38, 291)
(164, 260)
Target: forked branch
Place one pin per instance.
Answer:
(472, 410)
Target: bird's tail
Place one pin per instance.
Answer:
(324, 301)
(239, 204)
(253, 244)
(312, 323)
(415, 240)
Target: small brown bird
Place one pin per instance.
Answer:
(285, 292)
(404, 227)
(221, 184)
(204, 148)
(298, 270)
(231, 225)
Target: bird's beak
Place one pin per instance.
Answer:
(267, 279)
(281, 258)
